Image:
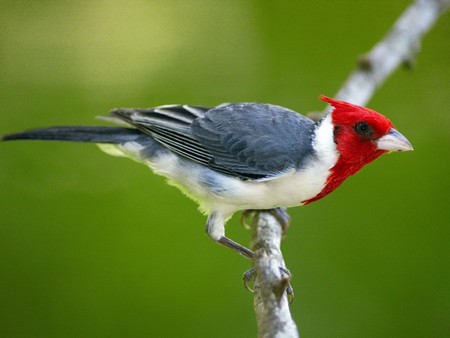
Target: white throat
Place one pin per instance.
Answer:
(323, 142)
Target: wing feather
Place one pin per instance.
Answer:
(247, 140)
(255, 139)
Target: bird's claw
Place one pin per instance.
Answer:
(247, 214)
(247, 277)
(280, 214)
(282, 217)
(285, 273)
(284, 220)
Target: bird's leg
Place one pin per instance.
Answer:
(249, 274)
(215, 228)
(242, 250)
(282, 217)
(280, 214)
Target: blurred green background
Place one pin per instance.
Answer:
(95, 246)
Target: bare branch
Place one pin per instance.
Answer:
(271, 303)
(398, 47)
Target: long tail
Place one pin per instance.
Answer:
(93, 134)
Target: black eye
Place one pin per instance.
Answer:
(362, 128)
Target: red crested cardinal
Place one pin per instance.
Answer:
(242, 156)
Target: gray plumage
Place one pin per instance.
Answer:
(241, 140)
(244, 140)
(78, 134)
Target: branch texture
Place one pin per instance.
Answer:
(271, 302)
(398, 47)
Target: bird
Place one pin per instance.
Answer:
(241, 156)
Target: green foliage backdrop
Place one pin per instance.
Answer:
(95, 246)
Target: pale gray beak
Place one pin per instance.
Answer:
(393, 141)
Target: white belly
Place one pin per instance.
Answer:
(217, 192)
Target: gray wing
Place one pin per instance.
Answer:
(170, 125)
(246, 140)
(255, 140)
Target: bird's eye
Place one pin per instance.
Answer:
(362, 128)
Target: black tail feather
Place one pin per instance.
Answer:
(78, 134)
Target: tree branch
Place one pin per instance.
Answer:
(397, 47)
(270, 302)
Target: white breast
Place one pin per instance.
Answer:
(289, 189)
(217, 192)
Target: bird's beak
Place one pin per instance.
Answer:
(393, 141)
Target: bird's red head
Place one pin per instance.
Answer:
(361, 135)
(356, 130)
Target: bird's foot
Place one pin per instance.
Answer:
(282, 217)
(247, 215)
(280, 214)
(285, 273)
